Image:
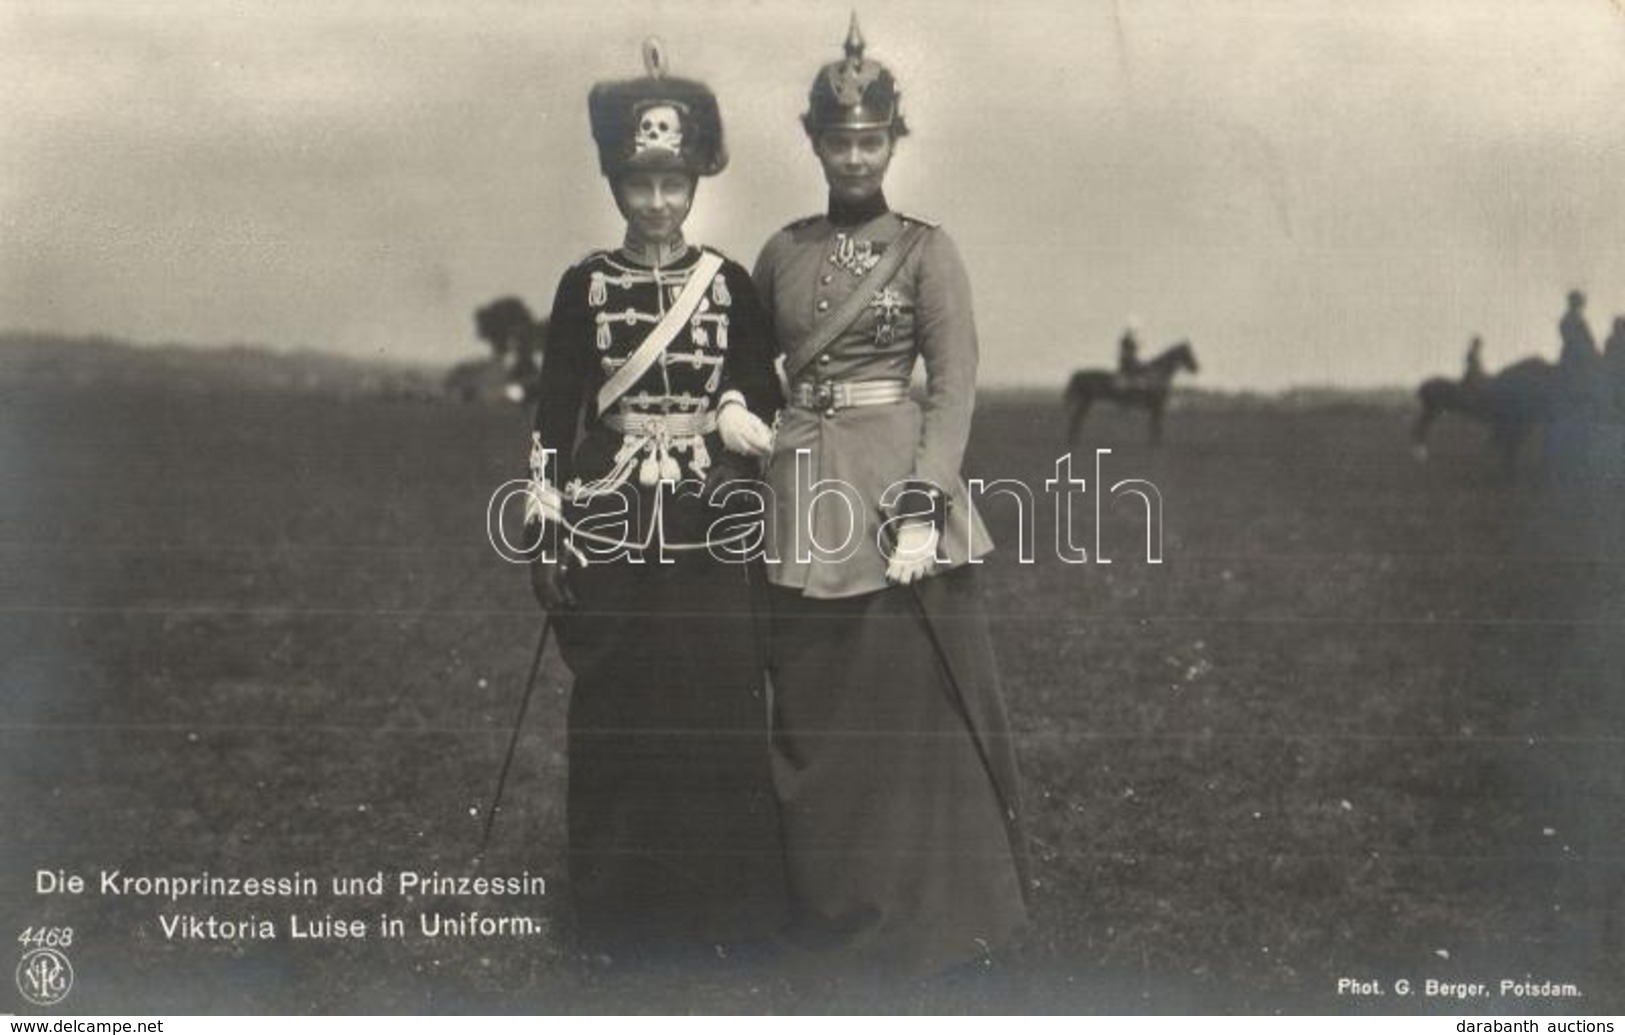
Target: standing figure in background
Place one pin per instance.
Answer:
(1569, 437)
(893, 759)
(1473, 374)
(662, 349)
(1578, 360)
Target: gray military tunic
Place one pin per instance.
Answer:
(893, 762)
(924, 314)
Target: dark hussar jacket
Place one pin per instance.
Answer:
(604, 307)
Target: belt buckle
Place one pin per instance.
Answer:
(824, 398)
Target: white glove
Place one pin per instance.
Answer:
(916, 554)
(742, 431)
(543, 503)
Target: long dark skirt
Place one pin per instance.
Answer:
(897, 792)
(674, 836)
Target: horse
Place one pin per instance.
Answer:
(1512, 402)
(513, 370)
(1146, 390)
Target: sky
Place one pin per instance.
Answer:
(1312, 193)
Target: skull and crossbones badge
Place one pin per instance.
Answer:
(660, 128)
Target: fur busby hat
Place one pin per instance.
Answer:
(854, 93)
(656, 123)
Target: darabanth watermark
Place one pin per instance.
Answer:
(620, 525)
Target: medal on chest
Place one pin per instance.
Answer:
(887, 305)
(855, 256)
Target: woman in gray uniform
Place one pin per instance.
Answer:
(892, 757)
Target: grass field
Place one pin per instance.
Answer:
(1364, 721)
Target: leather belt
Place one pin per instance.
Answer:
(674, 425)
(834, 396)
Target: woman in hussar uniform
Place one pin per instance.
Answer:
(661, 350)
(892, 756)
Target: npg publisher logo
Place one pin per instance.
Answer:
(44, 976)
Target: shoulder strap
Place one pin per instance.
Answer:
(933, 224)
(638, 364)
(805, 351)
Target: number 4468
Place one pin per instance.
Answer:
(46, 937)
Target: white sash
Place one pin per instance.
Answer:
(699, 279)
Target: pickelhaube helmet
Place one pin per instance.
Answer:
(656, 123)
(854, 93)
